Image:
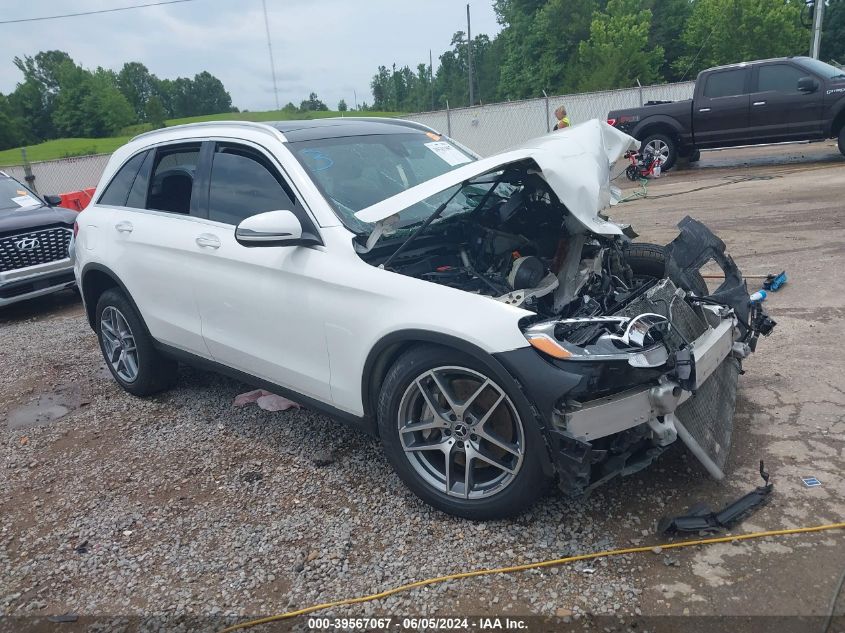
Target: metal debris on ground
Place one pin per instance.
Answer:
(811, 482)
(701, 519)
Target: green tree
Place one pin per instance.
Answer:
(341, 106)
(618, 52)
(669, 18)
(154, 112)
(726, 31)
(208, 95)
(290, 108)
(13, 129)
(312, 103)
(90, 104)
(833, 37)
(138, 85)
(35, 98)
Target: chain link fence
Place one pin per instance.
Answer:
(492, 128)
(53, 177)
(486, 129)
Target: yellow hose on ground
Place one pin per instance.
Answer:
(525, 567)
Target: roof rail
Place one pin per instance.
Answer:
(253, 125)
(390, 120)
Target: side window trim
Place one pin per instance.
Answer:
(280, 172)
(746, 87)
(201, 194)
(277, 165)
(169, 145)
(115, 175)
(755, 84)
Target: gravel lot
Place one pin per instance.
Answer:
(182, 506)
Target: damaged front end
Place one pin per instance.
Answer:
(626, 354)
(692, 344)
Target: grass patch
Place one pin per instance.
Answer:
(67, 147)
(63, 148)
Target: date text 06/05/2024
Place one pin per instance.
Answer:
(415, 624)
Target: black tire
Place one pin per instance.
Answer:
(522, 488)
(154, 373)
(649, 261)
(695, 156)
(842, 140)
(671, 146)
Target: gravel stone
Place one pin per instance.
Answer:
(180, 506)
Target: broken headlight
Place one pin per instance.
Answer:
(637, 340)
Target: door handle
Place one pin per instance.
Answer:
(759, 103)
(123, 227)
(704, 109)
(207, 240)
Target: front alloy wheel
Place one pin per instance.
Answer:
(460, 432)
(461, 439)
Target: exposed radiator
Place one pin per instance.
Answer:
(708, 416)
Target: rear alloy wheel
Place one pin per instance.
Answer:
(842, 140)
(456, 437)
(662, 146)
(128, 349)
(119, 346)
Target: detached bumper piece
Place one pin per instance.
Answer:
(702, 519)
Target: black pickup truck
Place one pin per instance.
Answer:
(765, 101)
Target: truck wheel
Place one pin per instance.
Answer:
(663, 146)
(648, 261)
(842, 140)
(457, 438)
(695, 156)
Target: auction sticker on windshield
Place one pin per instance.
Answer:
(25, 201)
(449, 153)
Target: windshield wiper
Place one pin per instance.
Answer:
(422, 227)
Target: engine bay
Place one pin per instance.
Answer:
(515, 246)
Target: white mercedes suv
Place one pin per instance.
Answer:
(481, 316)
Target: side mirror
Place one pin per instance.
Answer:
(53, 201)
(273, 228)
(808, 84)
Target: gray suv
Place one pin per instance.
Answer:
(34, 239)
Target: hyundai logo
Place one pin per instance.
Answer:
(27, 244)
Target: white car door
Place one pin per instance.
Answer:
(154, 251)
(262, 308)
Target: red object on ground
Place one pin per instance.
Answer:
(77, 200)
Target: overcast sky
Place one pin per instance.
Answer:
(331, 47)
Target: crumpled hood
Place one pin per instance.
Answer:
(575, 162)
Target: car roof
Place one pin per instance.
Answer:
(755, 62)
(298, 130)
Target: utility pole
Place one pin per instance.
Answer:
(469, 60)
(270, 48)
(816, 39)
(431, 77)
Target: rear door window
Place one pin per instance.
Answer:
(725, 83)
(778, 78)
(243, 184)
(117, 191)
(172, 180)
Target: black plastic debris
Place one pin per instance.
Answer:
(702, 519)
(82, 548)
(67, 617)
